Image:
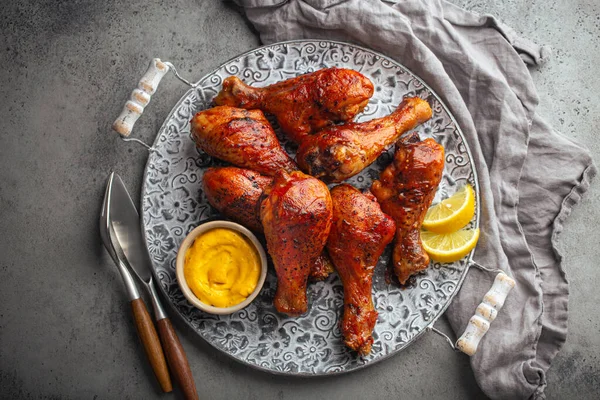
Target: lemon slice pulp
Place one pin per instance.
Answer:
(451, 214)
(449, 247)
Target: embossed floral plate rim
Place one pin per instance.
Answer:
(468, 261)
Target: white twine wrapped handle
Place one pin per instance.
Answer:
(485, 313)
(140, 97)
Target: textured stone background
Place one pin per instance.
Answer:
(65, 327)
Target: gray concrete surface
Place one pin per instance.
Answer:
(65, 327)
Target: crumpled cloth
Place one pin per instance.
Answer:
(530, 176)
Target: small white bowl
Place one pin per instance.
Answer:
(189, 240)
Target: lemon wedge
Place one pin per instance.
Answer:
(453, 213)
(449, 247)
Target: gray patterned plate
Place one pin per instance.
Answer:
(173, 204)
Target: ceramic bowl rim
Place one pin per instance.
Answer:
(189, 240)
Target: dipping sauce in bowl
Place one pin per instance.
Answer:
(221, 267)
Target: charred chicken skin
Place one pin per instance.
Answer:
(359, 234)
(339, 152)
(242, 137)
(322, 268)
(296, 216)
(304, 104)
(405, 190)
(235, 193)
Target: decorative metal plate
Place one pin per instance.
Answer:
(173, 204)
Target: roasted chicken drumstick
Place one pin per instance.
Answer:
(235, 193)
(359, 234)
(242, 137)
(339, 152)
(306, 103)
(296, 217)
(405, 190)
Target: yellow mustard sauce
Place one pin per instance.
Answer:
(222, 267)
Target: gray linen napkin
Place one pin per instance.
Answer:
(530, 175)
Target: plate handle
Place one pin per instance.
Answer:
(485, 314)
(140, 97)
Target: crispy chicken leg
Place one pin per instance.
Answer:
(242, 137)
(339, 152)
(235, 193)
(322, 268)
(359, 234)
(405, 190)
(306, 103)
(296, 217)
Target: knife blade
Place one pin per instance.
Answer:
(128, 236)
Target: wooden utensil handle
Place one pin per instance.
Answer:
(151, 343)
(177, 359)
